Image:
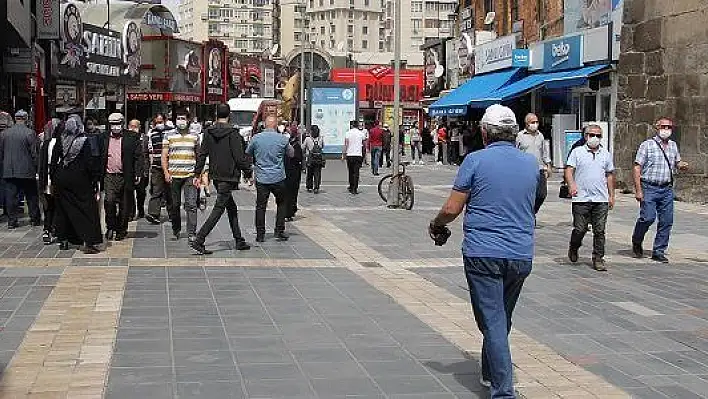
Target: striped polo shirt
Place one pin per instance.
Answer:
(182, 152)
(155, 138)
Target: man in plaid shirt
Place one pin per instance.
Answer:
(654, 167)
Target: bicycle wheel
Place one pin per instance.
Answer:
(407, 194)
(383, 191)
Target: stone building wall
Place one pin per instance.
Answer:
(663, 71)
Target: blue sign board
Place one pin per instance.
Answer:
(448, 111)
(331, 109)
(571, 137)
(564, 53)
(520, 58)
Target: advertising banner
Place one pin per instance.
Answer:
(214, 68)
(585, 14)
(48, 20)
(434, 57)
(186, 58)
(92, 53)
(563, 53)
(268, 81)
(376, 84)
(332, 108)
(494, 55)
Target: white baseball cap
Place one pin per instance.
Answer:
(499, 115)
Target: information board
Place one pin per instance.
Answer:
(332, 108)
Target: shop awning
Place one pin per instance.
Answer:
(456, 102)
(550, 80)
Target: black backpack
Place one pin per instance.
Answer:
(316, 157)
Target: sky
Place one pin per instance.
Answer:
(172, 5)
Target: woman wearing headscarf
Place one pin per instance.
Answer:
(293, 172)
(75, 172)
(50, 137)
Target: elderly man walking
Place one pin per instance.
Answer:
(590, 176)
(18, 157)
(531, 141)
(269, 149)
(498, 237)
(657, 160)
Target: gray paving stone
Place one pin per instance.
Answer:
(270, 371)
(142, 346)
(317, 355)
(131, 391)
(401, 367)
(339, 387)
(197, 373)
(283, 388)
(341, 369)
(409, 384)
(262, 356)
(209, 389)
(139, 375)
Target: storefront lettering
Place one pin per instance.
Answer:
(160, 21)
(102, 45)
(496, 54)
(102, 69)
(384, 92)
(560, 52)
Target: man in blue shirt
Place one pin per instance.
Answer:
(498, 187)
(269, 149)
(590, 175)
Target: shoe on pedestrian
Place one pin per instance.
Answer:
(282, 236)
(260, 237)
(152, 219)
(661, 258)
(309, 190)
(192, 238)
(13, 226)
(289, 219)
(47, 238)
(637, 250)
(120, 236)
(141, 214)
(317, 191)
(484, 382)
(573, 254)
(175, 234)
(64, 246)
(440, 163)
(110, 234)
(242, 245)
(599, 265)
(90, 249)
(36, 223)
(199, 248)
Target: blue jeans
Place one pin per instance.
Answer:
(495, 285)
(375, 159)
(658, 201)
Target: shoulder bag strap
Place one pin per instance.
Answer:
(671, 168)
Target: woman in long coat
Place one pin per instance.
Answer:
(75, 172)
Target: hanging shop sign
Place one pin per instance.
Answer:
(268, 81)
(187, 76)
(563, 53)
(521, 58)
(215, 56)
(434, 56)
(467, 19)
(48, 15)
(379, 88)
(495, 55)
(91, 53)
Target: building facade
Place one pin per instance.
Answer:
(246, 26)
(663, 71)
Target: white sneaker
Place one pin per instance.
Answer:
(484, 383)
(439, 162)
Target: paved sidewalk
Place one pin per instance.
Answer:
(358, 303)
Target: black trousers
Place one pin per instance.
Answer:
(116, 203)
(263, 192)
(49, 208)
(29, 188)
(353, 166)
(314, 177)
(224, 202)
(385, 153)
(140, 196)
(541, 191)
(159, 191)
(594, 213)
(292, 186)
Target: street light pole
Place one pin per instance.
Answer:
(393, 192)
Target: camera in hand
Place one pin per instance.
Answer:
(439, 234)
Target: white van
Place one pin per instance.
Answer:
(243, 113)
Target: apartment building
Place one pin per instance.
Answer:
(245, 26)
(293, 24)
(353, 23)
(423, 20)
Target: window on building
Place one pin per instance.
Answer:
(365, 44)
(351, 2)
(322, 44)
(488, 6)
(381, 46)
(214, 13)
(432, 23)
(213, 28)
(322, 30)
(366, 3)
(416, 24)
(364, 30)
(445, 25)
(332, 14)
(365, 16)
(312, 3)
(298, 36)
(350, 44)
(417, 6)
(331, 44)
(321, 3)
(350, 14)
(300, 9)
(350, 29)
(322, 17)
(240, 43)
(332, 29)
(514, 10)
(382, 32)
(331, 2)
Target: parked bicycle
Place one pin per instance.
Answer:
(406, 195)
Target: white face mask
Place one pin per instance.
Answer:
(281, 128)
(533, 127)
(160, 126)
(664, 133)
(116, 129)
(181, 124)
(593, 142)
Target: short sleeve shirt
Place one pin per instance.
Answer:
(591, 169)
(355, 138)
(499, 215)
(655, 169)
(182, 152)
(268, 149)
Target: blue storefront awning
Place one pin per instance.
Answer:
(457, 101)
(549, 80)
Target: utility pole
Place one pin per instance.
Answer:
(303, 35)
(393, 192)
